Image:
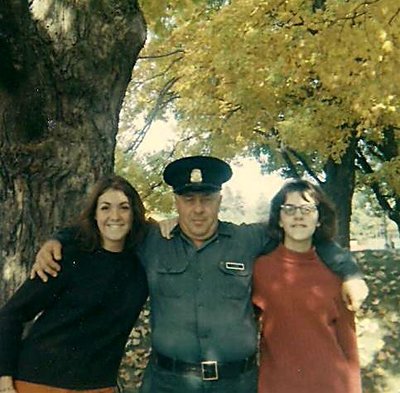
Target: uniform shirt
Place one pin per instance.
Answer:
(200, 297)
(78, 340)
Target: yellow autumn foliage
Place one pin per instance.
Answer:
(313, 75)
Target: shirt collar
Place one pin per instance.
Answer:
(223, 229)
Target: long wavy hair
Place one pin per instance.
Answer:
(87, 232)
(327, 214)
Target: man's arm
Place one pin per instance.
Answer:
(341, 262)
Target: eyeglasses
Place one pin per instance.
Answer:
(290, 210)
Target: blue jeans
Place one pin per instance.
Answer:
(158, 380)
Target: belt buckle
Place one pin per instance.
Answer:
(209, 370)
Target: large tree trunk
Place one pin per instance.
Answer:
(64, 69)
(339, 186)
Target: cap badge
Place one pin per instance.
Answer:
(196, 176)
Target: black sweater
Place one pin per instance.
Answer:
(85, 316)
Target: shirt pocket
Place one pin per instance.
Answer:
(172, 279)
(235, 279)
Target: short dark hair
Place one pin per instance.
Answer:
(327, 214)
(88, 235)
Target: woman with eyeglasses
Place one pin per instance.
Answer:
(308, 339)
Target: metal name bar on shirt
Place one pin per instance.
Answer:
(234, 266)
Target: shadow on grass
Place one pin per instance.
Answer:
(379, 322)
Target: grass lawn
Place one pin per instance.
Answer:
(378, 323)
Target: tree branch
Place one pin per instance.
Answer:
(394, 16)
(162, 55)
(160, 74)
(289, 163)
(160, 104)
(305, 165)
(367, 169)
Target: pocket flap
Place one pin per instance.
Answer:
(172, 266)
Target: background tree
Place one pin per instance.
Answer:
(310, 83)
(233, 206)
(64, 69)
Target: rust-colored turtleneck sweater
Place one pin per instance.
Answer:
(308, 341)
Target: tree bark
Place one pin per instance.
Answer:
(64, 70)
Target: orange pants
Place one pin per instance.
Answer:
(28, 387)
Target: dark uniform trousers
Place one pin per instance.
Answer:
(158, 380)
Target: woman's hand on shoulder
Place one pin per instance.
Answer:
(166, 227)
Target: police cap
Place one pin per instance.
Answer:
(197, 174)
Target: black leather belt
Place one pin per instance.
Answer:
(208, 370)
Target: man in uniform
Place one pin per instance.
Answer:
(204, 333)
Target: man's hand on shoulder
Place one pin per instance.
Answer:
(46, 260)
(354, 292)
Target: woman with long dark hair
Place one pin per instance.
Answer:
(83, 319)
(308, 340)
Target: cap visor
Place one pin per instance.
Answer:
(204, 188)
